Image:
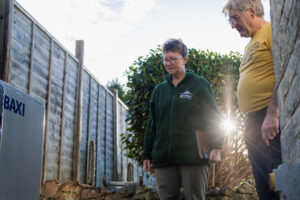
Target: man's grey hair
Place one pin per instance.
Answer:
(243, 5)
(175, 45)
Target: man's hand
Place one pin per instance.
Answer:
(215, 155)
(270, 128)
(147, 165)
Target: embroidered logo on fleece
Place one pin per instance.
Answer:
(186, 95)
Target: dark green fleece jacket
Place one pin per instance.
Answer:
(175, 114)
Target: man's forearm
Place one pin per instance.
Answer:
(270, 126)
(273, 105)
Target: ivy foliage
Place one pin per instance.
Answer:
(146, 72)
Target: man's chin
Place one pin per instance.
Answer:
(245, 35)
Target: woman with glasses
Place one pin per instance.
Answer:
(181, 106)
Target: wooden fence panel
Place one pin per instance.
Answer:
(92, 131)
(109, 138)
(100, 163)
(69, 119)
(19, 60)
(54, 114)
(84, 130)
(121, 158)
(123, 129)
(40, 65)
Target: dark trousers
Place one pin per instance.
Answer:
(263, 158)
(193, 178)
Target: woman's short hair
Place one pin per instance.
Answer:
(175, 45)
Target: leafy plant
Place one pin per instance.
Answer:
(115, 84)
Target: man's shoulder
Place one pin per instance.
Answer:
(267, 27)
(265, 30)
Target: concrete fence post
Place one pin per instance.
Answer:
(78, 115)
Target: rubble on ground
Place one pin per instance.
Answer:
(72, 190)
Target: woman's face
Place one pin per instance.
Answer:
(174, 62)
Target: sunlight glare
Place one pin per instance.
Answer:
(228, 125)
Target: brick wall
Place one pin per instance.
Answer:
(285, 15)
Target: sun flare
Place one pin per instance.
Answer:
(228, 125)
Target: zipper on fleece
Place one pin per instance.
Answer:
(171, 122)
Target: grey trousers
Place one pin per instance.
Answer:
(193, 178)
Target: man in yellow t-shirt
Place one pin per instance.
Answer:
(257, 95)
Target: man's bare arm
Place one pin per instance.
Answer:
(270, 126)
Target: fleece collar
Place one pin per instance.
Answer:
(188, 74)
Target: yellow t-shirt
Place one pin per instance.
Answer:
(256, 72)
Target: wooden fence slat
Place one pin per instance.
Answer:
(47, 112)
(88, 131)
(97, 133)
(105, 131)
(62, 120)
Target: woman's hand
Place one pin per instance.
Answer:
(147, 165)
(215, 155)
